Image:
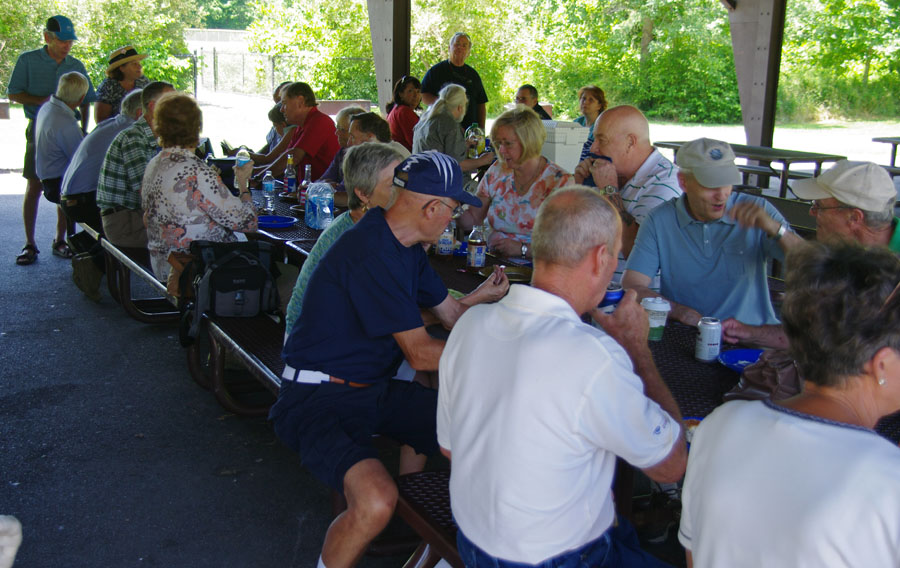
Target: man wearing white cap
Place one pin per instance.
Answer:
(361, 317)
(711, 245)
(851, 201)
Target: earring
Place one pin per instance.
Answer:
(881, 381)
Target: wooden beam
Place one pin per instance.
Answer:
(389, 25)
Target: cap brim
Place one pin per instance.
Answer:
(809, 189)
(466, 197)
(718, 176)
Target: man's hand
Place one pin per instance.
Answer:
(628, 325)
(763, 336)
(752, 216)
(510, 248)
(734, 331)
(486, 159)
(242, 175)
(491, 290)
(604, 173)
(583, 170)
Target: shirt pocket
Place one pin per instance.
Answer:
(733, 259)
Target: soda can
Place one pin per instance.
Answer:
(611, 299)
(709, 339)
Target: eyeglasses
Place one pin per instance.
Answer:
(455, 212)
(815, 206)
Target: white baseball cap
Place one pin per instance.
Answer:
(711, 162)
(864, 185)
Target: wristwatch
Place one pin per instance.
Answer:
(610, 190)
(524, 249)
(781, 231)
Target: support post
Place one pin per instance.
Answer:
(389, 22)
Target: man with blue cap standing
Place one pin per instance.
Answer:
(362, 315)
(33, 80)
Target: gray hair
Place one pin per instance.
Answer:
(72, 87)
(131, 104)
(153, 91)
(346, 112)
(361, 167)
(836, 311)
(571, 222)
(879, 219)
(449, 97)
(458, 35)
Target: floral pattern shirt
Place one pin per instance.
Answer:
(184, 200)
(511, 215)
(111, 92)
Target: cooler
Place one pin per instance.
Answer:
(564, 143)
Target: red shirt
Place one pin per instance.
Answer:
(402, 119)
(317, 138)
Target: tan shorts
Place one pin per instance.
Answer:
(125, 228)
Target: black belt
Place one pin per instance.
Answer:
(112, 210)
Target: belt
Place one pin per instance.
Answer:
(112, 210)
(316, 378)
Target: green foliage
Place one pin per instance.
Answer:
(154, 27)
(226, 14)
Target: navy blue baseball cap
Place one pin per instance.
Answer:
(433, 173)
(62, 27)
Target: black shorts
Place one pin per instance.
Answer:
(331, 425)
(28, 171)
(52, 188)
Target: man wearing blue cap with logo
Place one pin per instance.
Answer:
(710, 245)
(33, 80)
(361, 318)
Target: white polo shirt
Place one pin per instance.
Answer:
(769, 487)
(535, 406)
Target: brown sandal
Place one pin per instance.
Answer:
(28, 255)
(62, 250)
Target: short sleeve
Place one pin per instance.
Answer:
(18, 80)
(615, 414)
(429, 82)
(644, 257)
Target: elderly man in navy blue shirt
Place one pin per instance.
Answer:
(361, 317)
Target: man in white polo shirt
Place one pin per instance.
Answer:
(535, 405)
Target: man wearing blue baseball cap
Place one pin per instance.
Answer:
(33, 80)
(361, 317)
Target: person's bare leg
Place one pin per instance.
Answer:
(410, 461)
(30, 208)
(371, 497)
(62, 223)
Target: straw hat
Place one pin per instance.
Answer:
(123, 55)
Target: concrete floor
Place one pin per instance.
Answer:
(111, 456)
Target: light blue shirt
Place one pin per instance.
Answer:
(717, 268)
(84, 169)
(56, 137)
(36, 73)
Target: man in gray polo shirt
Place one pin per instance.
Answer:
(711, 245)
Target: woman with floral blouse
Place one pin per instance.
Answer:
(183, 198)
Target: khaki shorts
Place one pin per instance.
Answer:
(125, 228)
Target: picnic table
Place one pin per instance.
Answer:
(893, 141)
(768, 155)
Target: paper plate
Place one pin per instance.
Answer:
(276, 222)
(514, 273)
(297, 208)
(690, 424)
(737, 359)
(288, 195)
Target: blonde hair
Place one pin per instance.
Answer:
(449, 97)
(528, 127)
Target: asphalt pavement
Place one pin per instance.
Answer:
(111, 456)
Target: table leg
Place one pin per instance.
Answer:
(782, 191)
(893, 154)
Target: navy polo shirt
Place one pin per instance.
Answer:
(366, 287)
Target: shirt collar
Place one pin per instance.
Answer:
(647, 167)
(684, 218)
(59, 103)
(534, 299)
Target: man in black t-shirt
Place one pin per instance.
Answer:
(455, 70)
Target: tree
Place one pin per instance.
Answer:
(226, 14)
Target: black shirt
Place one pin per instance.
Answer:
(445, 72)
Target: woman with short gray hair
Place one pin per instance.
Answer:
(806, 481)
(439, 129)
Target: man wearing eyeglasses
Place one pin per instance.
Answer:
(361, 318)
(851, 201)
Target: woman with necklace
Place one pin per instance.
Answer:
(805, 481)
(516, 184)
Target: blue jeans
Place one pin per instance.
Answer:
(618, 546)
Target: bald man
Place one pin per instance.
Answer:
(630, 170)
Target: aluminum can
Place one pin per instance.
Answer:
(709, 339)
(611, 299)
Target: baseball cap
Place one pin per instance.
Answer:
(858, 184)
(62, 27)
(710, 161)
(433, 173)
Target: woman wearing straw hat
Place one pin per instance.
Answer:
(124, 74)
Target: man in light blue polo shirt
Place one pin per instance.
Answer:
(79, 184)
(711, 245)
(33, 80)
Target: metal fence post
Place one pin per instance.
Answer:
(194, 65)
(215, 70)
(272, 60)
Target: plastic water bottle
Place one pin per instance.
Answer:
(477, 249)
(319, 206)
(242, 157)
(268, 184)
(290, 175)
(445, 242)
(304, 187)
(476, 134)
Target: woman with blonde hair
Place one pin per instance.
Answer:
(439, 129)
(514, 187)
